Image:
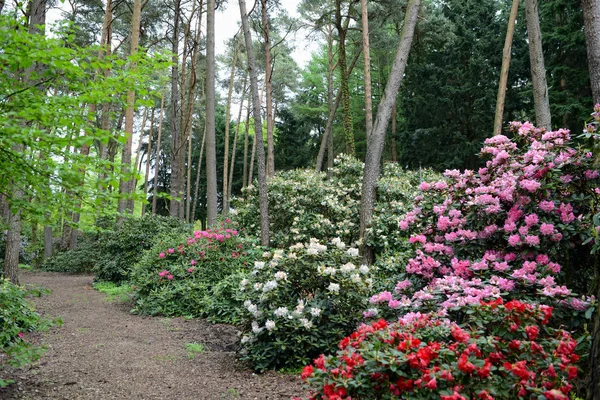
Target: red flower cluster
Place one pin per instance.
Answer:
(430, 354)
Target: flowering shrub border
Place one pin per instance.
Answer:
(507, 352)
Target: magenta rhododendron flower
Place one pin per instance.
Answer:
(161, 255)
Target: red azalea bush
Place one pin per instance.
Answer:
(509, 230)
(507, 352)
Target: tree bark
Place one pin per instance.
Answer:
(342, 30)
(393, 133)
(367, 62)
(147, 173)
(175, 191)
(198, 175)
(376, 139)
(227, 127)
(188, 123)
(47, 241)
(506, 54)
(591, 20)
(157, 157)
(138, 163)
(235, 138)
(211, 152)
(541, 102)
(245, 167)
(253, 153)
(126, 181)
(262, 179)
(268, 91)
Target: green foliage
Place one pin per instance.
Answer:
(17, 317)
(304, 204)
(47, 88)
(120, 249)
(300, 302)
(78, 261)
(114, 292)
(179, 275)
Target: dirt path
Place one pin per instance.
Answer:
(103, 352)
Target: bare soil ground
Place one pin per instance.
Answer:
(104, 352)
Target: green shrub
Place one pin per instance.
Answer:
(78, 261)
(180, 274)
(301, 302)
(120, 249)
(16, 318)
(304, 204)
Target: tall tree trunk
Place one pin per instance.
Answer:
(394, 143)
(47, 241)
(268, 90)
(197, 187)
(138, 163)
(190, 102)
(126, 181)
(591, 20)
(235, 139)
(211, 152)
(505, 66)
(147, 173)
(262, 179)
(175, 134)
(227, 125)
(157, 157)
(245, 162)
(367, 57)
(342, 30)
(330, 119)
(541, 102)
(331, 103)
(384, 111)
(251, 169)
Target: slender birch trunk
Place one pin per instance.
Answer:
(235, 139)
(506, 54)
(268, 91)
(157, 157)
(147, 173)
(227, 127)
(196, 190)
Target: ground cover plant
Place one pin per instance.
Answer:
(17, 317)
(180, 274)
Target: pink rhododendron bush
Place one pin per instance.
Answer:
(194, 275)
(508, 230)
(507, 352)
(496, 252)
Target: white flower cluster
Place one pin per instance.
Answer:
(338, 243)
(270, 285)
(314, 247)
